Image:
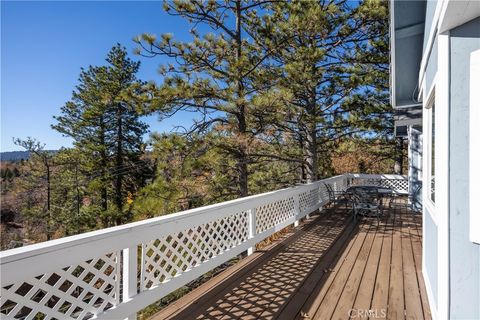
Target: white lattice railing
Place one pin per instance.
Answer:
(113, 273)
(396, 182)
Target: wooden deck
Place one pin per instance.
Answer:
(328, 268)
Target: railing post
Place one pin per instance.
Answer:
(251, 229)
(307, 216)
(129, 281)
(296, 208)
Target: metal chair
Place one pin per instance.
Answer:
(409, 204)
(366, 204)
(335, 196)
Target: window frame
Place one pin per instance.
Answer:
(430, 141)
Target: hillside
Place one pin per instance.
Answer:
(14, 155)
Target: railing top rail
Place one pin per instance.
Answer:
(15, 254)
(378, 175)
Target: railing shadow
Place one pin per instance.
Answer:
(275, 285)
(270, 284)
(399, 221)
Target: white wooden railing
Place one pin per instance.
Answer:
(115, 272)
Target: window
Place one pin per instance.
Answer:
(429, 139)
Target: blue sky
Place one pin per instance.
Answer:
(43, 46)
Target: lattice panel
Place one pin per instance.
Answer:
(269, 215)
(395, 184)
(323, 193)
(308, 199)
(368, 182)
(178, 253)
(80, 291)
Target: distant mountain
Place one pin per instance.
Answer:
(14, 155)
(19, 155)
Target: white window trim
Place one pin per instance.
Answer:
(442, 175)
(432, 33)
(440, 211)
(427, 136)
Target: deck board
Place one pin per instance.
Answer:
(396, 297)
(324, 269)
(365, 292)
(352, 286)
(329, 302)
(413, 305)
(416, 238)
(317, 295)
(382, 280)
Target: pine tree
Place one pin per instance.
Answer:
(217, 74)
(191, 172)
(317, 46)
(69, 189)
(122, 99)
(371, 107)
(45, 158)
(103, 121)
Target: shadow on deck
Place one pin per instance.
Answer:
(329, 267)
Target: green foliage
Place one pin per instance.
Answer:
(329, 55)
(284, 92)
(217, 74)
(292, 77)
(48, 192)
(102, 119)
(69, 190)
(191, 172)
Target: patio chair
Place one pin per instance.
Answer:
(366, 204)
(409, 203)
(335, 196)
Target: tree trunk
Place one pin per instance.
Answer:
(242, 158)
(398, 167)
(311, 155)
(77, 189)
(242, 161)
(303, 171)
(311, 142)
(119, 166)
(49, 213)
(103, 164)
(243, 175)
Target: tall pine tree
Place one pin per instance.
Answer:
(103, 121)
(316, 45)
(217, 74)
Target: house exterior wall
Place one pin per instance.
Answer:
(430, 268)
(452, 273)
(451, 260)
(464, 254)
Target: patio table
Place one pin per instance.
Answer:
(381, 191)
(375, 195)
